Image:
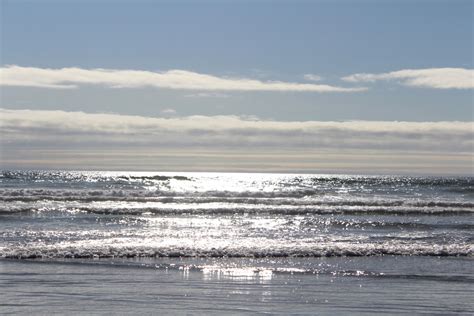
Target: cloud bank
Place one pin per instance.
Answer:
(435, 78)
(59, 139)
(68, 78)
(41, 127)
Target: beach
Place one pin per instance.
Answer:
(203, 157)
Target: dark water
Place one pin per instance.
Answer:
(282, 243)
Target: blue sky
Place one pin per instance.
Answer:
(278, 40)
(402, 48)
(285, 38)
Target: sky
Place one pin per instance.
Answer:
(281, 86)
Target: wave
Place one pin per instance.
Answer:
(297, 198)
(157, 177)
(86, 178)
(238, 209)
(286, 180)
(348, 250)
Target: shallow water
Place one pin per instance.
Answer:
(421, 285)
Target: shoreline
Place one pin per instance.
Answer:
(230, 286)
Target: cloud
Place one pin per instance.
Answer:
(312, 77)
(59, 139)
(207, 95)
(218, 131)
(168, 112)
(68, 78)
(435, 78)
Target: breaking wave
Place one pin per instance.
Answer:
(354, 250)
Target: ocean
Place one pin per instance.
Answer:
(235, 243)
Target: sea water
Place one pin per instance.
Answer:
(200, 243)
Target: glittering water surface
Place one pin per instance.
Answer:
(266, 230)
(106, 214)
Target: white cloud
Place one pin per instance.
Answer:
(312, 77)
(67, 78)
(207, 95)
(58, 139)
(436, 78)
(215, 131)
